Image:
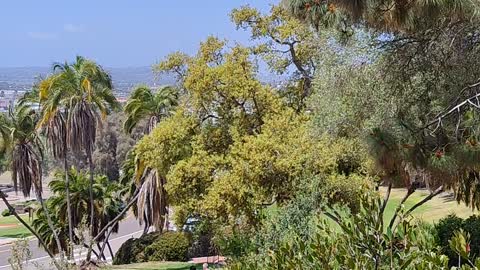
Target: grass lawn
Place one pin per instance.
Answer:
(155, 266)
(6, 178)
(10, 227)
(431, 211)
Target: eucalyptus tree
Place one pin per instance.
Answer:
(83, 91)
(24, 145)
(144, 104)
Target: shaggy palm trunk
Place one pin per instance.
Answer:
(40, 240)
(92, 204)
(69, 206)
(50, 223)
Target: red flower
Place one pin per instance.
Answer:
(468, 248)
(439, 153)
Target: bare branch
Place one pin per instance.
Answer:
(456, 108)
(426, 199)
(385, 200)
(410, 191)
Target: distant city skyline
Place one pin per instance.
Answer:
(115, 33)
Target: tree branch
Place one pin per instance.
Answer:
(385, 200)
(468, 101)
(426, 199)
(410, 191)
(40, 240)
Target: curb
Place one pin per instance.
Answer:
(10, 241)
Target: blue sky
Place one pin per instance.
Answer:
(116, 33)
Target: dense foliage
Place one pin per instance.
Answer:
(171, 246)
(276, 177)
(354, 241)
(446, 229)
(133, 250)
(167, 246)
(105, 210)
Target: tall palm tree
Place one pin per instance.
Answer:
(54, 115)
(144, 104)
(22, 143)
(82, 89)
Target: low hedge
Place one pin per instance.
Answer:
(169, 246)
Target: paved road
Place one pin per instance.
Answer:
(129, 228)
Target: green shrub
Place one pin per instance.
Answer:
(360, 242)
(446, 228)
(6, 213)
(344, 190)
(133, 250)
(472, 226)
(234, 243)
(170, 246)
(444, 232)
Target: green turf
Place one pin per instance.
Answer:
(18, 231)
(431, 211)
(394, 202)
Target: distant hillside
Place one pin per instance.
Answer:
(15, 81)
(22, 78)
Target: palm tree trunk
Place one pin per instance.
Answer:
(50, 224)
(102, 256)
(69, 206)
(40, 240)
(105, 242)
(110, 250)
(117, 218)
(92, 204)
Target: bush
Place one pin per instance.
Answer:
(472, 226)
(133, 250)
(344, 190)
(446, 228)
(360, 242)
(6, 213)
(170, 246)
(235, 242)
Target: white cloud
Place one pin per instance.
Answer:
(42, 35)
(71, 28)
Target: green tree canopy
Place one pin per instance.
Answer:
(232, 144)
